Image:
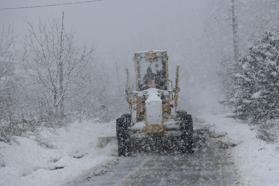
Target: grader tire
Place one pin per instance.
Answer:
(122, 134)
(187, 130)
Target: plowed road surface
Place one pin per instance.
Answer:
(210, 164)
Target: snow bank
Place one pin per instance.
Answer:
(257, 161)
(54, 157)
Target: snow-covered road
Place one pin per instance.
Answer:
(210, 165)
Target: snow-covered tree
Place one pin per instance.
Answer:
(6, 74)
(256, 85)
(7, 82)
(55, 64)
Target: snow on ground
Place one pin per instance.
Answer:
(257, 161)
(55, 157)
(52, 157)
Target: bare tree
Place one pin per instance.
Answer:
(235, 32)
(6, 71)
(7, 85)
(60, 69)
(54, 61)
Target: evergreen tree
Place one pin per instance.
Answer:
(256, 85)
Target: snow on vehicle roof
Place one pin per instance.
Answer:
(150, 51)
(151, 54)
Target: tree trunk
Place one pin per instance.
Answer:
(55, 105)
(61, 74)
(235, 32)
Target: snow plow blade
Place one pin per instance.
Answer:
(104, 141)
(158, 144)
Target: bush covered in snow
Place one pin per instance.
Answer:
(256, 83)
(269, 131)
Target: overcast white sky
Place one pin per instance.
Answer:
(118, 28)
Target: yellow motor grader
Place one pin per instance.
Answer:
(154, 123)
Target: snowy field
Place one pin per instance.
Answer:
(52, 157)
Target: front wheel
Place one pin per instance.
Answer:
(187, 130)
(122, 134)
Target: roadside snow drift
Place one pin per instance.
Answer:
(54, 157)
(257, 161)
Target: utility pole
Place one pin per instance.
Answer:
(61, 72)
(235, 32)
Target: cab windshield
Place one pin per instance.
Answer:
(152, 74)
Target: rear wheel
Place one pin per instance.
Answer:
(122, 134)
(187, 130)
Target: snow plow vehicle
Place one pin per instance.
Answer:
(153, 122)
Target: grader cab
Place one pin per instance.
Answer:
(153, 123)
